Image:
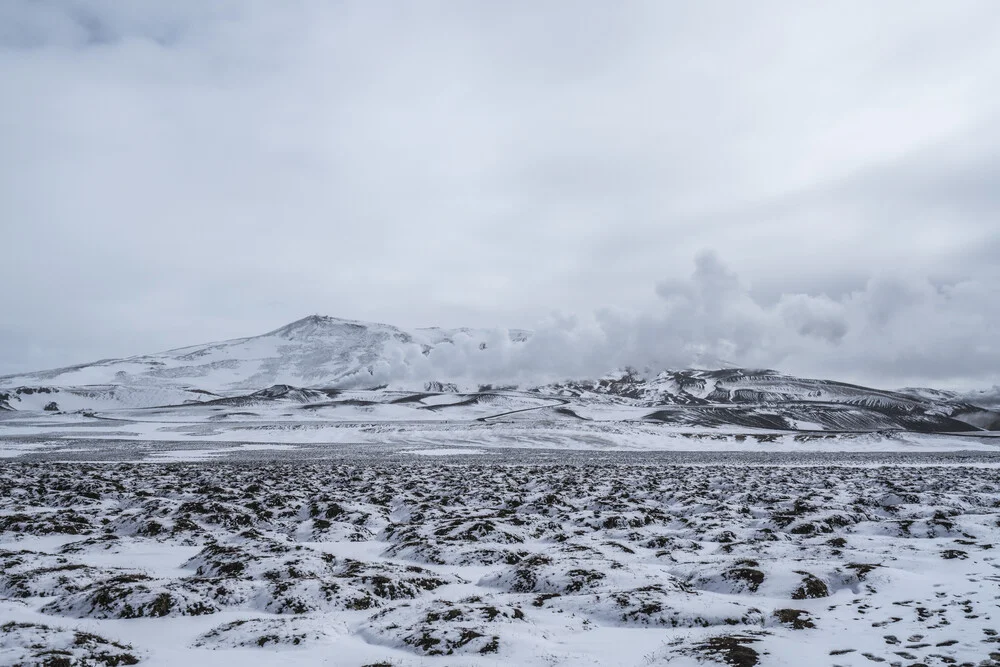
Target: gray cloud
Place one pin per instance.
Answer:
(185, 171)
(896, 329)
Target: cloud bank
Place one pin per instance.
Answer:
(894, 331)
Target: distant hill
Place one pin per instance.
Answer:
(313, 359)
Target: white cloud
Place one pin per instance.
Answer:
(894, 331)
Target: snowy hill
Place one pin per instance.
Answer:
(324, 368)
(313, 351)
(760, 398)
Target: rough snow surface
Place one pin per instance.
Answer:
(550, 558)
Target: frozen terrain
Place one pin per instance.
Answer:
(343, 369)
(582, 560)
(307, 497)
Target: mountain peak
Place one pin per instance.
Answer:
(315, 324)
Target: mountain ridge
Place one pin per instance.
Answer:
(313, 359)
(330, 351)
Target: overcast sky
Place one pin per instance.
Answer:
(809, 186)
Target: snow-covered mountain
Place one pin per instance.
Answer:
(313, 361)
(315, 351)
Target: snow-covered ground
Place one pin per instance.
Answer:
(597, 558)
(306, 422)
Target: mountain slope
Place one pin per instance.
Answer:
(310, 361)
(761, 398)
(313, 351)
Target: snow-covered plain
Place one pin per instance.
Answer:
(640, 416)
(427, 562)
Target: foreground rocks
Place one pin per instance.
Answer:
(734, 565)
